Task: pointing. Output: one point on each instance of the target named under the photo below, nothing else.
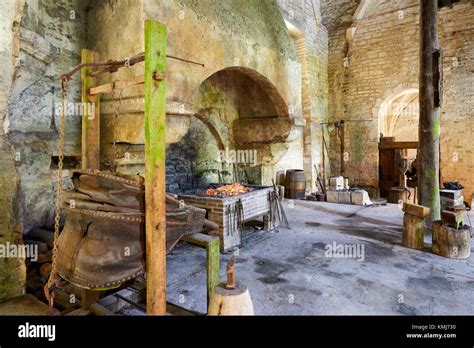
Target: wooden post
(413, 231)
(212, 245)
(89, 297)
(429, 124)
(213, 275)
(91, 116)
(414, 225)
(155, 195)
(90, 146)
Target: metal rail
(113, 65)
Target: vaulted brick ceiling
(335, 13)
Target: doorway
(398, 129)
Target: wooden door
(386, 171)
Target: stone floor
(288, 272)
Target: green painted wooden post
(90, 148)
(213, 271)
(212, 245)
(155, 194)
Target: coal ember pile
(233, 189)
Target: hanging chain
(52, 281)
(114, 129)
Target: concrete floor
(288, 273)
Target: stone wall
(46, 37)
(382, 60)
(311, 40)
(51, 37)
(12, 270)
(457, 112)
(250, 37)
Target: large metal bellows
(102, 243)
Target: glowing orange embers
(234, 189)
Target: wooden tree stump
(230, 298)
(230, 301)
(450, 242)
(414, 225)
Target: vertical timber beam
(155, 195)
(212, 257)
(429, 125)
(90, 150)
(90, 146)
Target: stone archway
(397, 106)
(264, 84)
(398, 117)
(245, 112)
(398, 114)
(236, 109)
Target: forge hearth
(222, 191)
(230, 212)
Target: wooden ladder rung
(110, 87)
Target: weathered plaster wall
(221, 34)
(51, 36)
(122, 111)
(12, 270)
(40, 40)
(383, 60)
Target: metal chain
(57, 218)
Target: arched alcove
(239, 110)
(252, 90)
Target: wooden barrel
(295, 184)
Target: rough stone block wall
(312, 48)
(12, 270)
(383, 54)
(41, 39)
(456, 30)
(51, 37)
(383, 60)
